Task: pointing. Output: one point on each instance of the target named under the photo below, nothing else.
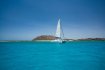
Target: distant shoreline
(49, 38)
(45, 40)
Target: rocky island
(44, 38)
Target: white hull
(58, 40)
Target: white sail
(58, 31)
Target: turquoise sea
(77, 55)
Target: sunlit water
(52, 56)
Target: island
(44, 38)
(50, 37)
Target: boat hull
(59, 41)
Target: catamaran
(59, 33)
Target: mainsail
(59, 32)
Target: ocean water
(80, 55)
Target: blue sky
(26, 19)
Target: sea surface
(77, 55)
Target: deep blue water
(52, 56)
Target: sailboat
(59, 33)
